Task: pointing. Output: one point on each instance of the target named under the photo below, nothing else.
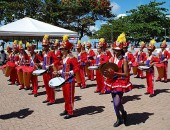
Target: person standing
(70, 68)
(48, 59)
(140, 57)
(101, 58)
(34, 60)
(91, 59)
(163, 56)
(151, 60)
(119, 84)
(82, 60)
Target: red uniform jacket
(140, 56)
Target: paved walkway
(20, 111)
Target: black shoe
(30, 94)
(124, 117)
(118, 122)
(27, 88)
(96, 91)
(158, 80)
(63, 113)
(68, 116)
(146, 93)
(137, 76)
(45, 101)
(35, 95)
(21, 88)
(165, 81)
(50, 103)
(151, 95)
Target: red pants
(150, 81)
(100, 81)
(34, 81)
(91, 75)
(140, 73)
(68, 94)
(13, 76)
(82, 76)
(165, 72)
(49, 91)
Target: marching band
(111, 68)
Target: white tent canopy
(28, 27)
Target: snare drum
(27, 73)
(93, 67)
(3, 68)
(135, 67)
(20, 74)
(160, 68)
(143, 68)
(39, 72)
(78, 78)
(56, 82)
(9, 67)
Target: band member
(34, 60)
(48, 60)
(9, 52)
(101, 58)
(82, 60)
(91, 59)
(23, 59)
(163, 56)
(14, 57)
(140, 59)
(120, 82)
(151, 60)
(128, 55)
(70, 68)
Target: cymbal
(110, 67)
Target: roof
(33, 28)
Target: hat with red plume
(66, 44)
(45, 41)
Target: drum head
(93, 67)
(143, 67)
(39, 72)
(56, 82)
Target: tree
(79, 15)
(11, 10)
(144, 23)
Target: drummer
(151, 60)
(34, 60)
(14, 57)
(128, 55)
(101, 58)
(91, 59)
(140, 57)
(23, 60)
(47, 64)
(163, 56)
(119, 84)
(82, 59)
(70, 68)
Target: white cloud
(115, 7)
(121, 15)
